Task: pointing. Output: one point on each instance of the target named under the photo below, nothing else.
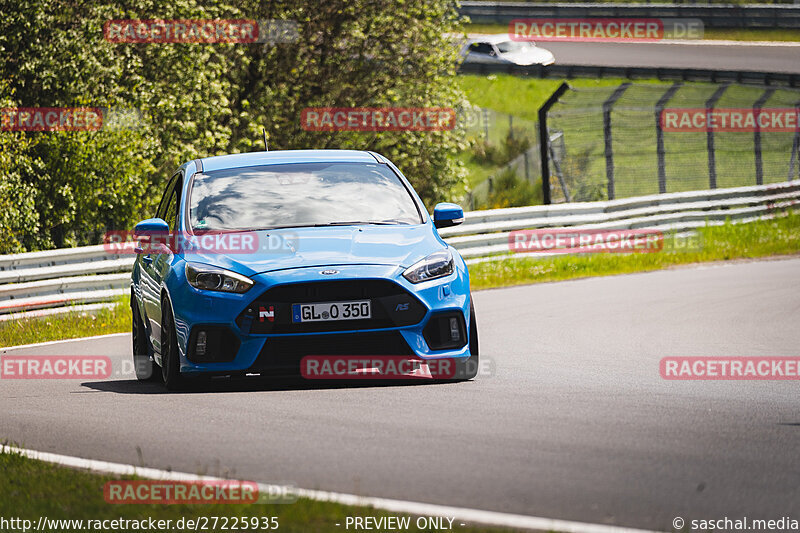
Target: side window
(171, 216)
(481, 48)
(174, 202)
(162, 206)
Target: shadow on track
(250, 384)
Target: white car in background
(500, 49)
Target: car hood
(533, 56)
(395, 245)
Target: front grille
(392, 306)
(283, 354)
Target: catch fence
(640, 139)
(500, 142)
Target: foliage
(18, 219)
(199, 100)
(516, 141)
(508, 190)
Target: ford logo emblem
(328, 272)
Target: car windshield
(509, 47)
(481, 48)
(300, 194)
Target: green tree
(357, 53)
(206, 99)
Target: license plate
(327, 311)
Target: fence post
(662, 170)
(712, 161)
(527, 170)
(544, 139)
(757, 134)
(795, 146)
(485, 113)
(607, 105)
(559, 174)
(510, 126)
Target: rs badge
(269, 314)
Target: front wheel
(468, 368)
(170, 360)
(143, 365)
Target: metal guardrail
(486, 233)
(54, 280)
(713, 16)
(557, 71)
(58, 279)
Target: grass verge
(34, 489)
(711, 34)
(780, 236)
(66, 326)
(522, 97)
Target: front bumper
(249, 342)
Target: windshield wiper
(285, 226)
(364, 223)
(337, 223)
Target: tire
(143, 364)
(170, 360)
(466, 370)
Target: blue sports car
(276, 256)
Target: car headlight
(210, 278)
(436, 265)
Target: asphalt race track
(576, 422)
(783, 57)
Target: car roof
(277, 157)
(493, 38)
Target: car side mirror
(144, 232)
(446, 215)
